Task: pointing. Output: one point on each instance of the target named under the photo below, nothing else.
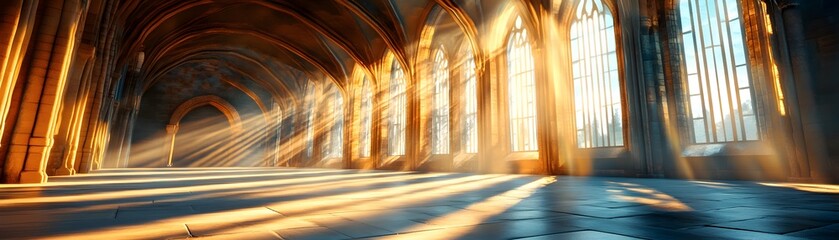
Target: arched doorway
(203, 132)
(204, 136)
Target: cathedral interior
(419, 119)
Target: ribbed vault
(282, 44)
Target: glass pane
(699, 131)
(733, 10)
(685, 16)
(743, 77)
(737, 43)
(696, 111)
(751, 128)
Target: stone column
(801, 60)
(78, 115)
(169, 143)
(32, 140)
(17, 19)
(125, 152)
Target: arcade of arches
(684, 89)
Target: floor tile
(775, 225)
(581, 235)
(273, 203)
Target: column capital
(171, 128)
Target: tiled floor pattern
(281, 203)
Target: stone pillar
(50, 65)
(649, 92)
(169, 143)
(17, 19)
(79, 108)
(801, 55)
(129, 131)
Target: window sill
(726, 149)
(603, 153)
(332, 162)
(518, 156)
(388, 160)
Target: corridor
(291, 203)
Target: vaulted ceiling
(281, 43)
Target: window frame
(333, 115)
(311, 110)
(505, 91)
(438, 114)
(392, 110)
(759, 71)
(712, 134)
(603, 151)
(462, 90)
(366, 97)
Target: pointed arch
(222, 105)
(363, 112)
(469, 101)
(397, 110)
(309, 111)
(440, 127)
(598, 92)
(521, 86)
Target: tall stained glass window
(597, 91)
(366, 110)
(470, 105)
(720, 93)
(440, 113)
(522, 90)
(396, 108)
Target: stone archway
(174, 121)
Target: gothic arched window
(719, 86)
(522, 90)
(470, 105)
(333, 144)
(397, 117)
(597, 91)
(440, 112)
(310, 118)
(366, 110)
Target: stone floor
(275, 203)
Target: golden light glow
(816, 188)
(637, 193)
(775, 74)
(287, 198)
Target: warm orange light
(637, 193)
(816, 188)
